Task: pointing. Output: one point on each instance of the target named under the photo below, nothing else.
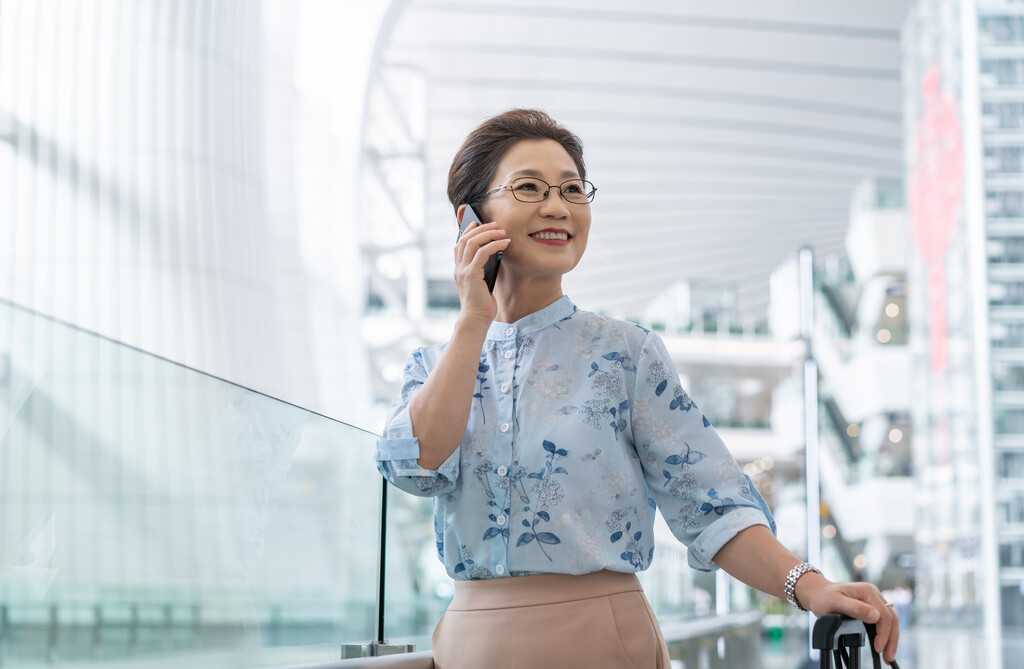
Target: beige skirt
(595, 621)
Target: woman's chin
(534, 274)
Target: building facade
(964, 111)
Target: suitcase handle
(839, 636)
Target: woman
(547, 435)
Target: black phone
(469, 217)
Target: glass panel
(151, 511)
(418, 589)
(676, 591)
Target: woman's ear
(461, 212)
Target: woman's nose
(554, 204)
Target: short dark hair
(477, 159)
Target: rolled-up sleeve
(398, 449)
(700, 490)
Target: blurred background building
(223, 227)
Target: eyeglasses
(531, 189)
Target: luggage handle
(843, 637)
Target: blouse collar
(559, 310)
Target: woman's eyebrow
(539, 174)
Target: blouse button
(508, 332)
(508, 354)
(502, 519)
(499, 570)
(504, 427)
(504, 387)
(502, 470)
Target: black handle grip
(842, 637)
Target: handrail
(685, 630)
(847, 319)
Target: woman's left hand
(862, 601)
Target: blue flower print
(632, 551)
(685, 483)
(473, 570)
(618, 422)
(414, 375)
(506, 484)
(594, 412)
(688, 457)
(497, 530)
(482, 473)
(657, 377)
(439, 537)
(717, 505)
(482, 369)
(549, 493)
(607, 386)
(427, 484)
(622, 360)
(680, 400)
(574, 310)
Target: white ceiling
(722, 136)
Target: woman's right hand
(472, 250)
(439, 410)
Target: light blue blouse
(579, 428)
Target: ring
(890, 604)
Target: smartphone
(469, 217)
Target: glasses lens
(528, 189)
(577, 190)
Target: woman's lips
(552, 237)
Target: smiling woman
(548, 436)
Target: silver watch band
(794, 575)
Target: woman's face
(548, 237)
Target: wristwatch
(794, 575)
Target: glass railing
(149, 511)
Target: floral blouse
(579, 428)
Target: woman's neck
(522, 298)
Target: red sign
(934, 193)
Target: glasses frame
(590, 196)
